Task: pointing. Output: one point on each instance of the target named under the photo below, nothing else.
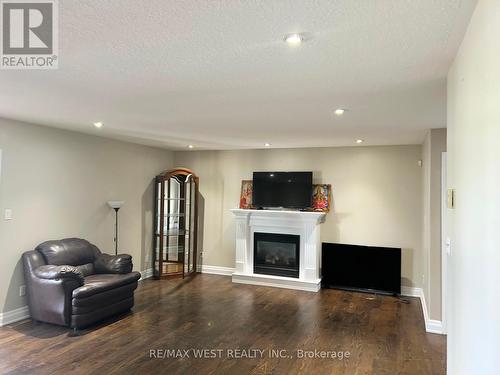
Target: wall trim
(434, 326)
(409, 291)
(431, 326)
(13, 316)
(146, 274)
(216, 270)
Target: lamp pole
(115, 205)
(116, 229)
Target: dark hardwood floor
(209, 312)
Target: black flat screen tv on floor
(361, 268)
(282, 189)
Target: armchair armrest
(121, 263)
(50, 272)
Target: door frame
(444, 236)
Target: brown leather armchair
(71, 283)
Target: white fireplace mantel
(304, 224)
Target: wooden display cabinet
(176, 224)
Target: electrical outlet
(22, 290)
(7, 214)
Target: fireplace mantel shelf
(306, 224)
(280, 213)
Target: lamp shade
(115, 204)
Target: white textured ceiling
(218, 75)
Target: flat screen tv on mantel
(282, 189)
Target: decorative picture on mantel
(322, 197)
(246, 194)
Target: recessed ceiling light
(340, 111)
(294, 39)
(359, 140)
(98, 124)
(267, 144)
(190, 146)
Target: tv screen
(282, 189)
(365, 268)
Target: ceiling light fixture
(98, 124)
(190, 146)
(359, 140)
(267, 145)
(294, 39)
(340, 111)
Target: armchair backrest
(68, 251)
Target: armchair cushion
(118, 264)
(95, 284)
(50, 272)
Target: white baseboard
(146, 274)
(431, 326)
(411, 292)
(434, 326)
(216, 270)
(13, 316)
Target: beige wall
(433, 147)
(474, 171)
(377, 194)
(57, 184)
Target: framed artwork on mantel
(321, 196)
(246, 194)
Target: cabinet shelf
(178, 248)
(176, 232)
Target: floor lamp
(115, 205)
